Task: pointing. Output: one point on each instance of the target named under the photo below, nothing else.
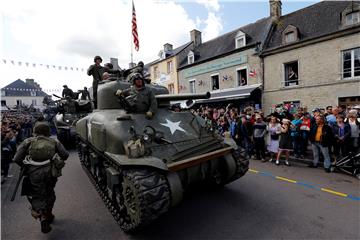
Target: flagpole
(131, 35)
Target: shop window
(242, 77)
(192, 86)
(3, 103)
(351, 63)
(291, 74)
(215, 82)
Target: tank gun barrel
(185, 96)
(56, 95)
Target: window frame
(211, 79)
(352, 52)
(352, 22)
(171, 86)
(194, 82)
(32, 93)
(169, 69)
(156, 72)
(284, 74)
(237, 83)
(191, 55)
(240, 35)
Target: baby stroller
(349, 164)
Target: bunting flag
(134, 28)
(27, 64)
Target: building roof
(173, 53)
(20, 88)
(317, 20)
(255, 33)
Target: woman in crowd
(295, 134)
(355, 130)
(341, 132)
(274, 130)
(304, 133)
(285, 144)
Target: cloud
(211, 5)
(213, 26)
(213, 22)
(72, 32)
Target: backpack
(42, 148)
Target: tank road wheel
(143, 197)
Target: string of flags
(32, 89)
(48, 66)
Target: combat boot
(49, 216)
(45, 226)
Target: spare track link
(153, 193)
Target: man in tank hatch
(140, 98)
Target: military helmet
(42, 128)
(136, 76)
(97, 57)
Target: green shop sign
(215, 65)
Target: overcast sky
(69, 33)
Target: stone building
(229, 66)
(164, 70)
(22, 93)
(312, 56)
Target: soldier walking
(41, 158)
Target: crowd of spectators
(332, 131)
(15, 127)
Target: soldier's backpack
(42, 148)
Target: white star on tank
(173, 126)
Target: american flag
(134, 28)
(252, 73)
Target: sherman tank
(69, 111)
(142, 167)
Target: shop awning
(230, 94)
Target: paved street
(270, 202)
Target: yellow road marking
(334, 192)
(254, 171)
(285, 179)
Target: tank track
(146, 191)
(242, 164)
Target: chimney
(115, 63)
(30, 81)
(195, 36)
(168, 47)
(275, 9)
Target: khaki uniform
(39, 182)
(142, 100)
(97, 73)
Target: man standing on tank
(140, 98)
(96, 70)
(38, 156)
